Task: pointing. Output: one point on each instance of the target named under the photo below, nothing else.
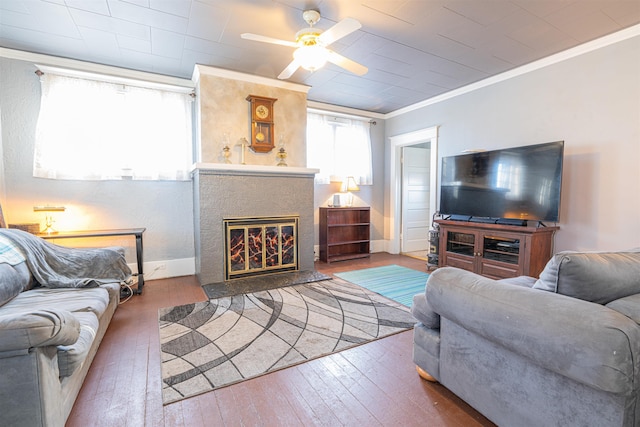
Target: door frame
(395, 178)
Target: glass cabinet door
(501, 249)
(461, 243)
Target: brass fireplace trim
(246, 223)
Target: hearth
(255, 246)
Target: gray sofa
(563, 350)
(55, 306)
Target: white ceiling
(414, 49)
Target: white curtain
(339, 148)
(97, 130)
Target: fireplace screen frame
(239, 231)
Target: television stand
(497, 251)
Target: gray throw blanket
(55, 266)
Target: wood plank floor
(374, 384)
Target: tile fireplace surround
(223, 191)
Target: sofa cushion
(14, 274)
(37, 328)
(13, 280)
(71, 357)
(629, 306)
(94, 300)
(523, 281)
(599, 277)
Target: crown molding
(207, 70)
(91, 68)
(616, 37)
(346, 111)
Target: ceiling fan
(311, 43)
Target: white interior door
(416, 217)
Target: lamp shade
(350, 185)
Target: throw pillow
(599, 277)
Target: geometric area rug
(211, 344)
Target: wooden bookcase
(344, 233)
(494, 250)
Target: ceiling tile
(542, 8)
(174, 7)
(106, 23)
(95, 6)
(539, 34)
(133, 43)
(624, 13)
(43, 17)
(141, 3)
(143, 15)
(14, 6)
(511, 51)
(207, 22)
(482, 12)
(102, 43)
(166, 43)
(582, 24)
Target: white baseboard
(167, 268)
(378, 246)
(388, 247)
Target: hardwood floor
(374, 384)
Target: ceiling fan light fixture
(312, 57)
(311, 46)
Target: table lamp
(49, 217)
(350, 186)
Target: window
(90, 129)
(339, 147)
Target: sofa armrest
(38, 328)
(424, 313)
(584, 341)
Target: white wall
(163, 207)
(592, 102)
(369, 195)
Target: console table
(137, 232)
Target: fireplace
(260, 245)
(264, 196)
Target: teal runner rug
(392, 281)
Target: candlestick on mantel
(243, 144)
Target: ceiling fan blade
(347, 63)
(265, 39)
(338, 31)
(288, 72)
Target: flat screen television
(519, 184)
